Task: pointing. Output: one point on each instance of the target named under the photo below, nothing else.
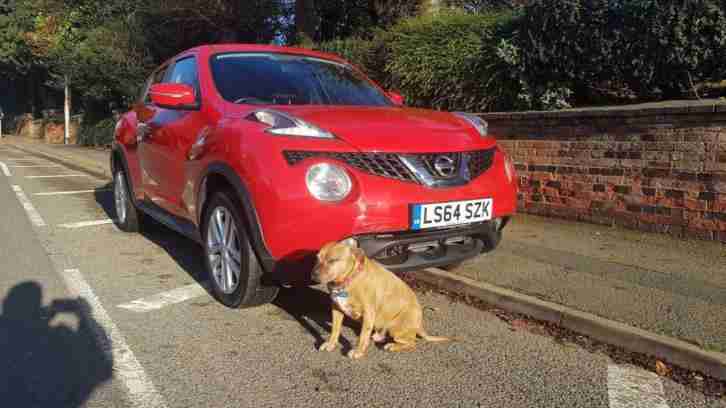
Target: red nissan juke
(263, 154)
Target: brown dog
(363, 289)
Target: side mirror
(396, 98)
(173, 96)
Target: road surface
(92, 316)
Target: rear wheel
(127, 216)
(235, 273)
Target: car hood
(392, 129)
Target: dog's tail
(436, 339)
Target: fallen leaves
(662, 368)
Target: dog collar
(338, 293)
(339, 287)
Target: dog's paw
(327, 346)
(355, 354)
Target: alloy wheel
(223, 250)
(120, 197)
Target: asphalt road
(74, 333)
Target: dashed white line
(5, 169)
(34, 166)
(164, 299)
(84, 224)
(141, 391)
(56, 176)
(33, 214)
(630, 386)
(55, 193)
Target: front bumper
(408, 251)
(378, 211)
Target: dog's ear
(359, 254)
(351, 242)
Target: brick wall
(655, 167)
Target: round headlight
(328, 182)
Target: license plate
(452, 213)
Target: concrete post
(67, 111)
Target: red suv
(262, 154)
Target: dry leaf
(519, 324)
(661, 368)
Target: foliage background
(476, 55)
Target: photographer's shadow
(45, 363)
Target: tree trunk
(305, 20)
(431, 6)
(67, 111)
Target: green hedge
(367, 55)
(451, 61)
(97, 134)
(548, 54)
(648, 49)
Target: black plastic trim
(254, 230)
(485, 235)
(117, 150)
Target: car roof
(211, 49)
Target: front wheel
(127, 216)
(234, 271)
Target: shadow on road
(44, 363)
(308, 305)
(185, 252)
(311, 308)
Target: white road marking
(84, 224)
(164, 299)
(24, 160)
(630, 387)
(126, 367)
(57, 176)
(55, 193)
(5, 169)
(33, 214)
(34, 166)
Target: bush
(450, 61)
(368, 55)
(97, 134)
(604, 48)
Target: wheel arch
(117, 159)
(219, 176)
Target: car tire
(128, 217)
(234, 272)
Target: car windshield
(279, 79)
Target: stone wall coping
(676, 107)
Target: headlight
(283, 124)
(328, 182)
(479, 124)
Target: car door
(170, 134)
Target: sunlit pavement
(57, 242)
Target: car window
(279, 79)
(155, 78)
(185, 72)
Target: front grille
(428, 161)
(480, 161)
(379, 164)
(389, 165)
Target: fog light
(328, 182)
